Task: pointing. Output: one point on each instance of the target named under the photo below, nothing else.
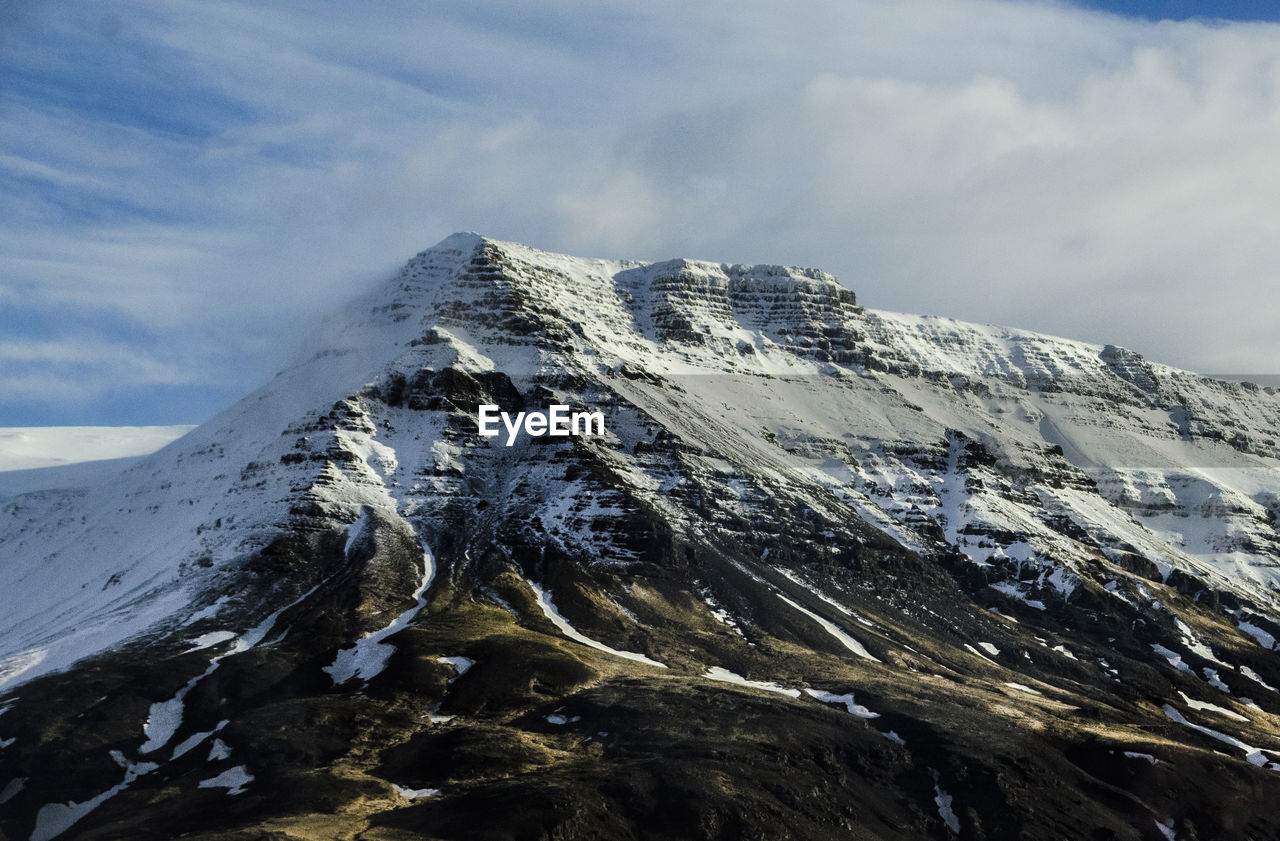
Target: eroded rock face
(831, 573)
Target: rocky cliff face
(830, 573)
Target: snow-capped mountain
(826, 573)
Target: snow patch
(209, 640)
(969, 648)
(1194, 643)
(53, 819)
(233, 779)
(219, 751)
(1263, 638)
(1253, 756)
(165, 717)
(460, 666)
(1021, 687)
(1257, 678)
(11, 790)
(370, 655)
(1204, 705)
(192, 741)
(550, 611)
(846, 699)
(1174, 658)
(415, 793)
(164, 720)
(1216, 682)
(852, 614)
(834, 630)
(560, 720)
(721, 614)
(943, 801)
(355, 531)
(1013, 591)
(722, 674)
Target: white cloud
(77, 370)
(1024, 163)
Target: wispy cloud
(75, 369)
(207, 176)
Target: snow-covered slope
(793, 492)
(65, 457)
(28, 447)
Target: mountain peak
(460, 241)
(480, 291)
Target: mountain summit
(822, 572)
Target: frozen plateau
(830, 573)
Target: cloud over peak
(193, 174)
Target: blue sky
(1233, 10)
(186, 186)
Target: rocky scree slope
(830, 573)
